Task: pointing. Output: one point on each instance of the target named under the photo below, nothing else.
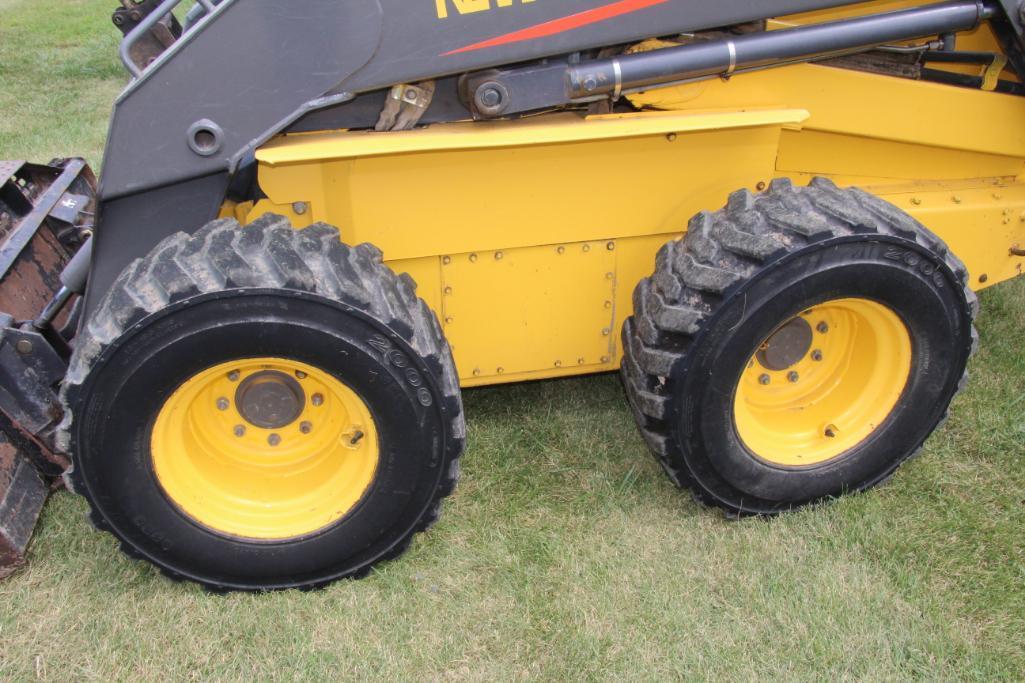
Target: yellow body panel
(430, 198)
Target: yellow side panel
(444, 198)
(517, 311)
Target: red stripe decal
(574, 21)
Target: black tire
(737, 275)
(227, 293)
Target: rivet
(274, 439)
(233, 375)
(501, 370)
(608, 304)
(24, 346)
(317, 399)
(956, 199)
(448, 290)
(609, 276)
(299, 374)
(587, 248)
(299, 207)
(671, 137)
(306, 427)
(816, 355)
(498, 255)
(606, 332)
(558, 363)
(446, 260)
(764, 379)
(449, 320)
(476, 372)
(822, 328)
(240, 430)
(560, 250)
(984, 278)
(793, 376)
(222, 403)
(760, 186)
(611, 246)
(473, 258)
(580, 361)
(916, 201)
(605, 359)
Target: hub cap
(823, 382)
(264, 448)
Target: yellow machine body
(527, 237)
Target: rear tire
(200, 479)
(724, 364)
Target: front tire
(262, 408)
(796, 345)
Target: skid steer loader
(318, 220)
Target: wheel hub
(270, 399)
(787, 345)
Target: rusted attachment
(46, 216)
(22, 494)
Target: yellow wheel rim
(834, 375)
(264, 448)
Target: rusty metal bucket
(46, 216)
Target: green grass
(564, 553)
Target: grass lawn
(565, 553)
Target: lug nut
(273, 439)
(222, 403)
(317, 399)
(305, 427)
(822, 328)
(233, 375)
(816, 355)
(240, 430)
(299, 374)
(793, 376)
(764, 379)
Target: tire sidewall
(133, 377)
(907, 278)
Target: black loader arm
(249, 69)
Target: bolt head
(274, 440)
(23, 346)
(317, 399)
(222, 403)
(764, 379)
(490, 97)
(306, 427)
(792, 376)
(233, 375)
(299, 208)
(299, 374)
(240, 430)
(816, 355)
(822, 328)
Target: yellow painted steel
(834, 397)
(953, 157)
(270, 484)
